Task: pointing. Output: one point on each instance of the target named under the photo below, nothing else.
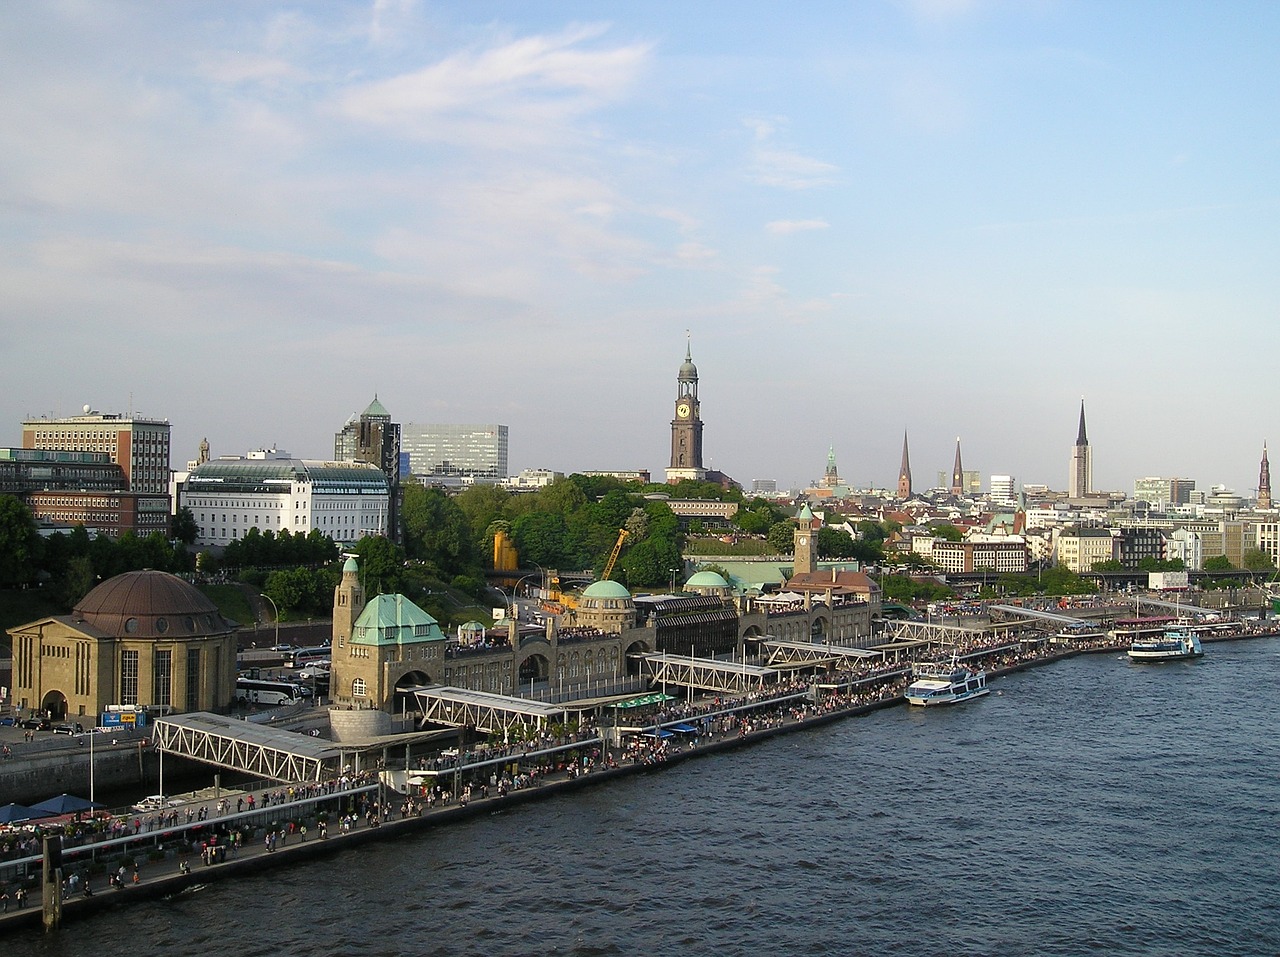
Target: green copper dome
(706, 579)
(606, 589)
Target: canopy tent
(64, 804)
(17, 813)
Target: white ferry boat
(1171, 646)
(940, 682)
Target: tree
(1110, 565)
(1256, 560)
(436, 530)
(947, 532)
(781, 537)
(19, 542)
(184, 527)
(381, 562)
(1218, 563)
(834, 543)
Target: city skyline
(944, 217)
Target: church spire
(957, 473)
(1264, 480)
(1081, 437)
(832, 476)
(904, 473)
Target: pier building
(145, 638)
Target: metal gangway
(1016, 611)
(487, 712)
(800, 654)
(253, 748)
(706, 674)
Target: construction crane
(613, 555)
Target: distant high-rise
(1264, 481)
(372, 437)
(1004, 488)
(1080, 481)
(456, 454)
(904, 472)
(957, 473)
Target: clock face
(683, 410)
(803, 540)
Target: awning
(656, 734)
(640, 702)
(684, 728)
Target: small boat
(1173, 645)
(940, 682)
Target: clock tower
(686, 427)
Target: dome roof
(150, 604)
(606, 589)
(688, 370)
(350, 565)
(707, 579)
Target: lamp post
(276, 611)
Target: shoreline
(164, 879)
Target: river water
(1092, 806)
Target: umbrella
(15, 813)
(64, 804)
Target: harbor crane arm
(613, 555)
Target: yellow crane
(613, 555)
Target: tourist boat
(1171, 646)
(941, 682)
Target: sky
(943, 218)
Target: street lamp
(277, 614)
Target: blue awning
(661, 733)
(684, 728)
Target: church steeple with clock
(686, 427)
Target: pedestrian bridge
(252, 748)
(487, 712)
(705, 674)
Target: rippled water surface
(1089, 807)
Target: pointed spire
(904, 473)
(957, 473)
(1081, 437)
(1264, 480)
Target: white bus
(301, 657)
(261, 691)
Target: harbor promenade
(172, 859)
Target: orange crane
(613, 555)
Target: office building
(270, 491)
(455, 454)
(139, 446)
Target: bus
(301, 657)
(262, 691)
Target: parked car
(68, 728)
(35, 724)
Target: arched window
(357, 688)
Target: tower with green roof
(372, 437)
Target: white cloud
(503, 97)
(784, 227)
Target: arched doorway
(634, 667)
(819, 630)
(54, 704)
(533, 673)
(403, 700)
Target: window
(128, 677)
(357, 688)
(162, 678)
(193, 679)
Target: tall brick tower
(957, 473)
(1080, 481)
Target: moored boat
(1173, 645)
(939, 682)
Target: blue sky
(950, 217)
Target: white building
(1004, 488)
(270, 491)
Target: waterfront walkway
(173, 857)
